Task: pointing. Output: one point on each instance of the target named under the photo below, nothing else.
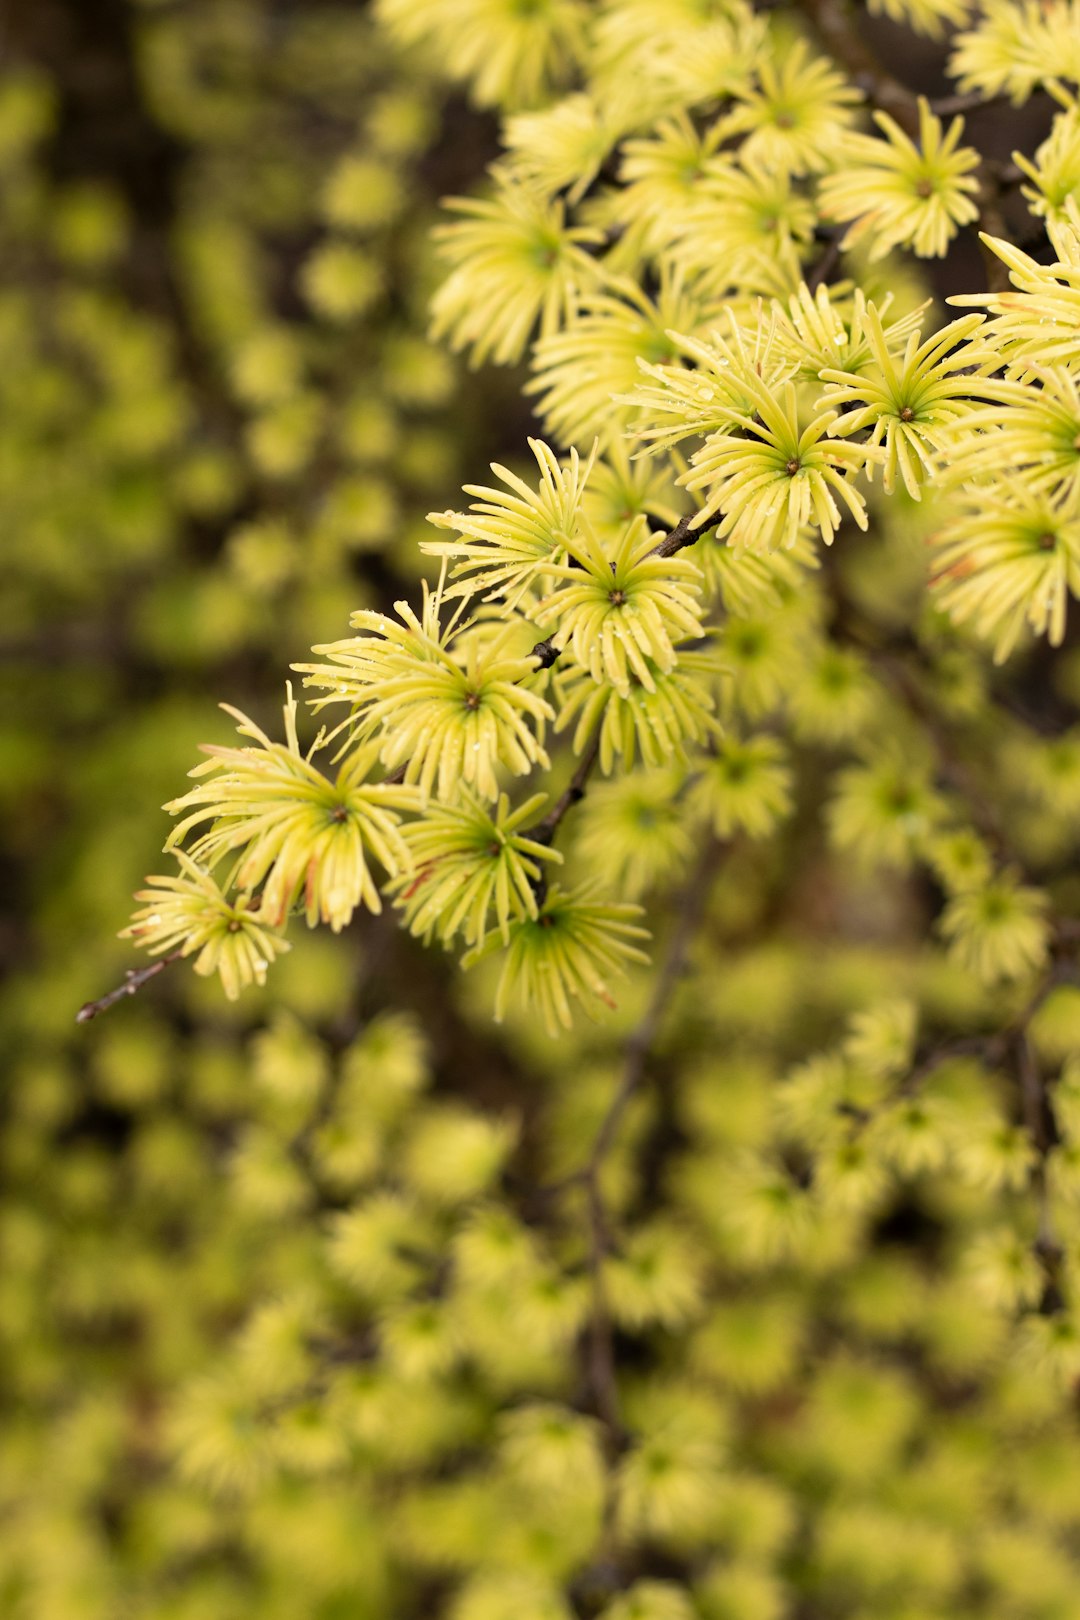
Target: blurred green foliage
(299, 1295)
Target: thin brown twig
(992, 223)
(826, 263)
(836, 24)
(989, 1048)
(601, 1352)
(993, 1047)
(134, 979)
(691, 906)
(690, 909)
(969, 101)
(600, 1364)
(1039, 1124)
(681, 536)
(572, 794)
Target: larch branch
(134, 979)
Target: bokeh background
(221, 424)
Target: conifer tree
(728, 745)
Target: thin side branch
(600, 1359)
(970, 101)
(827, 262)
(601, 1353)
(690, 909)
(836, 24)
(545, 830)
(134, 979)
(1040, 1127)
(681, 536)
(991, 222)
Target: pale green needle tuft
(930, 17)
(751, 581)
(657, 722)
(659, 178)
(1039, 323)
(901, 195)
(906, 402)
(514, 264)
(580, 371)
(1055, 170)
(620, 610)
(998, 931)
(885, 809)
(743, 786)
(563, 146)
(767, 473)
(713, 57)
(510, 54)
(190, 913)
(714, 393)
(1034, 432)
(1010, 558)
(814, 333)
(447, 706)
(634, 831)
(509, 536)
(775, 473)
(1017, 45)
(473, 868)
(623, 486)
(795, 114)
(746, 214)
(564, 956)
(297, 836)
